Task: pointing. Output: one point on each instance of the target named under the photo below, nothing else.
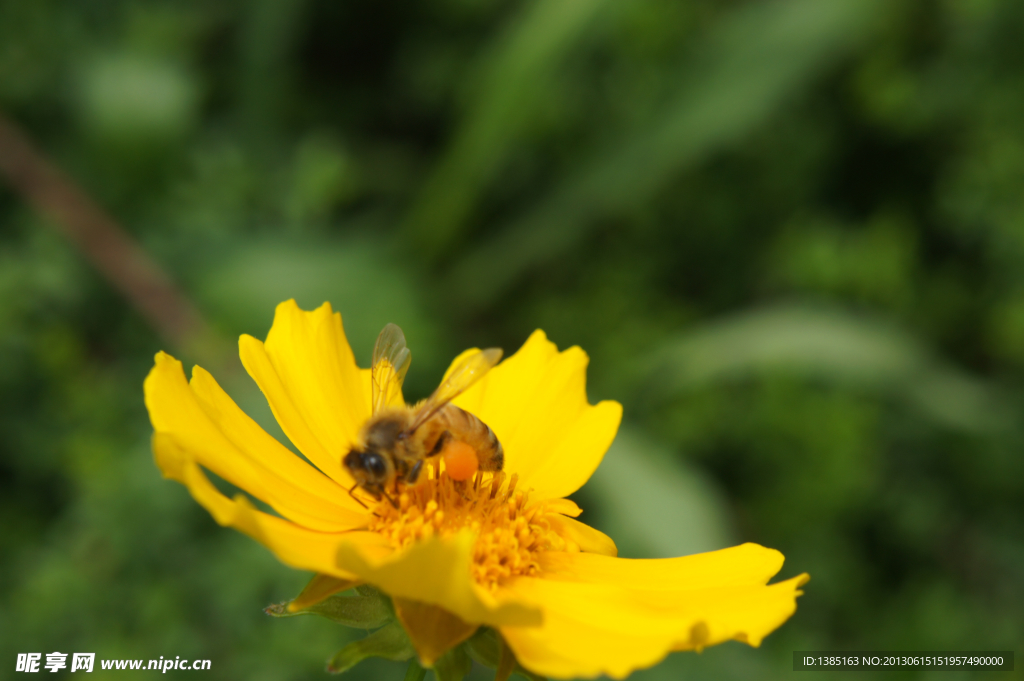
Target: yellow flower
(502, 551)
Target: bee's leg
(462, 487)
(386, 496)
(442, 440)
(414, 473)
(352, 494)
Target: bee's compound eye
(374, 463)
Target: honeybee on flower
(498, 568)
(397, 441)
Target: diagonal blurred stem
(111, 250)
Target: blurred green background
(789, 233)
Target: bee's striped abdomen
(497, 459)
(465, 427)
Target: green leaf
(484, 647)
(358, 277)
(414, 672)
(487, 648)
(131, 99)
(453, 665)
(747, 68)
(390, 643)
(515, 77)
(831, 345)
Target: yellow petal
(592, 629)
(296, 546)
(536, 403)
(738, 565)
(612, 616)
(564, 507)
(436, 571)
(584, 536)
(206, 423)
(433, 630)
(309, 376)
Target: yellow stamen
(511, 530)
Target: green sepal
(391, 643)
(486, 647)
(367, 610)
(453, 665)
(319, 587)
(415, 672)
(369, 590)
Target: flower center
(511, 530)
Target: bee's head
(368, 467)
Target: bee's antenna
(351, 493)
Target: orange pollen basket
(510, 530)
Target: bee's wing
(468, 371)
(391, 360)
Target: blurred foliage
(790, 233)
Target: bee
(396, 441)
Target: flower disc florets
(511, 530)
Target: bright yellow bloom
(505, 552)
